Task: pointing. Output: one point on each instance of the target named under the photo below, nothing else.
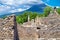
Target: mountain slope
(37, 8)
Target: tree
(47, 10)
(24, 17)
(58, 10)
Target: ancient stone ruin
(7, 28)
(39, 29)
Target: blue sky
(52, 3)
(11, 6)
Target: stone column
(28, 18)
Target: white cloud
(18, 10)
(16, 5)
(4, 8)
(19, 2)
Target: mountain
(35, 8)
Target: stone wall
(10, 30)
(7, 28)
(27, 33)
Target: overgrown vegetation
(24, 17)
(58, 10)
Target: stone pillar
(37, 20)
(28, 18)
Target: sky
(11, 6)
(52, 3)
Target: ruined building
(46, 27)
